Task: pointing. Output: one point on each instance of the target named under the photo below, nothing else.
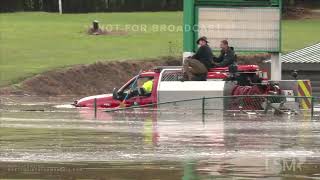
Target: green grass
(35, 42)
(297, 34)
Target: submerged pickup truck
(167, 86)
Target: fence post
(203, 105)
(60, 6)
(203, 109)
(95, 108)
(267, 105)
(312, 106)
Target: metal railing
(260, 104)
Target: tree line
(307, 3)
(83, 6)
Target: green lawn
(35, 42)
(297, 34)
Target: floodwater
(44, 139)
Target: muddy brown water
(40, 138)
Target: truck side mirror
(115, 94)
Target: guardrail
(257, 103)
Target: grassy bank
(297, 34)
(35, 42)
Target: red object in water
(107, 100)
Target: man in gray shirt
(227, 56)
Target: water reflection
(63, 143)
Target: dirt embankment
(300, 12)
(97, 78)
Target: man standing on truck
(227, 56)
(196, 67)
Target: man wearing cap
(227, 55)
(196, 67)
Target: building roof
(309, 54)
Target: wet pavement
(40, 138)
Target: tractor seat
(241, 68)
(218, 69)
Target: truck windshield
(141, 83)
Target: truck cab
(118, 95)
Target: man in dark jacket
(196, 67)
(227, 56)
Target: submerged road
(42, 139)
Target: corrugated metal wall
(247, 29)
(314, 76)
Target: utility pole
(60, 6)
(276, 66)
(188, 33)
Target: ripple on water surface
(59, 142)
